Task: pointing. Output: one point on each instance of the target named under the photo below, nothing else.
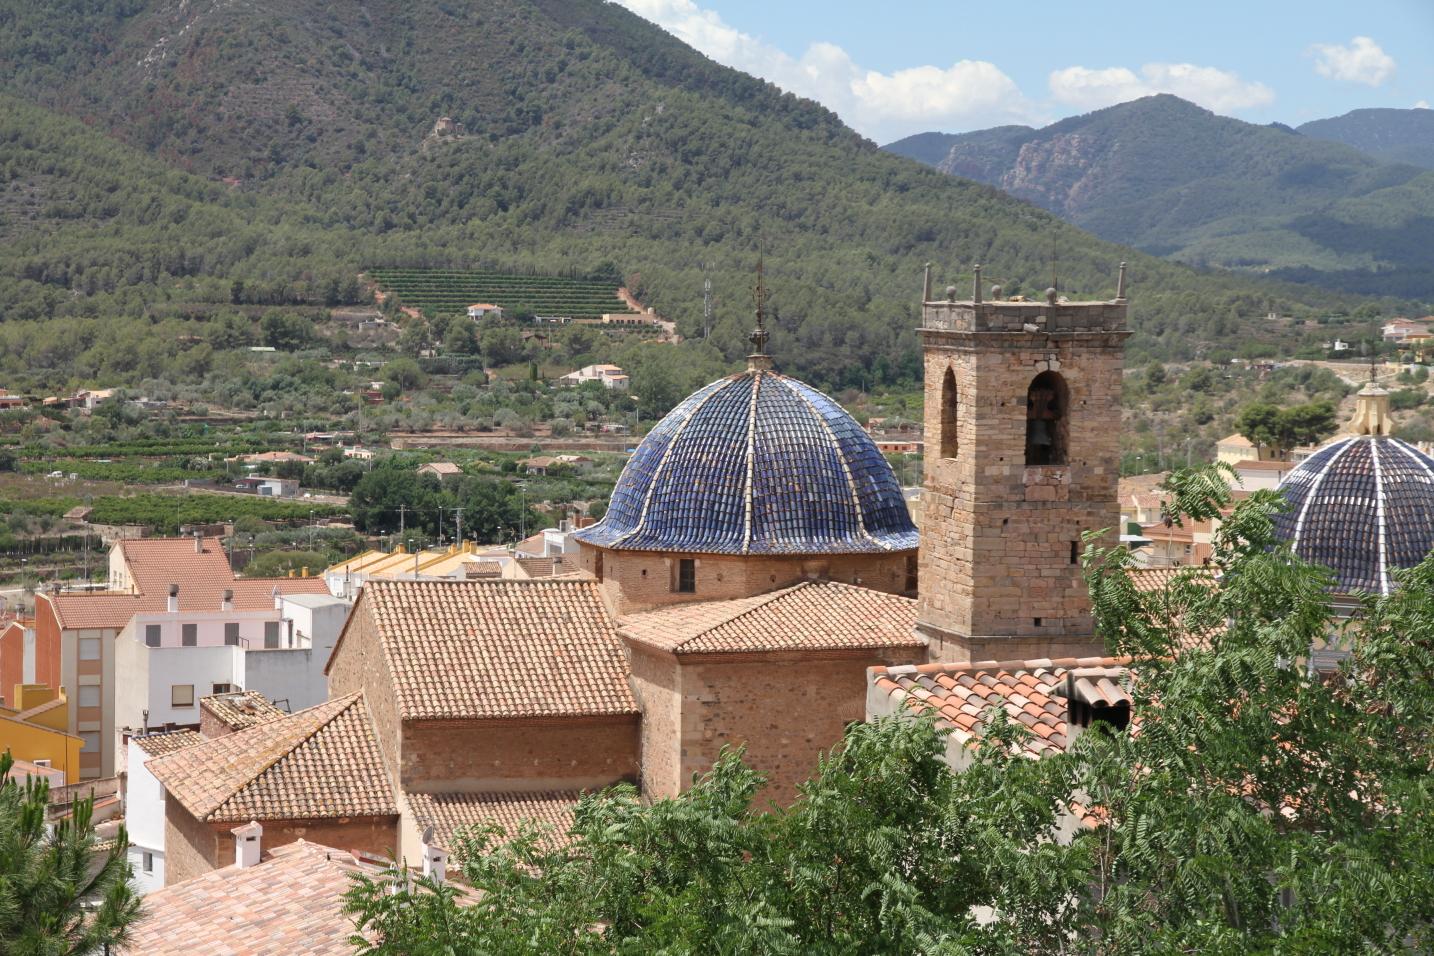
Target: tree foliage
(60, 893)
(1284, 428)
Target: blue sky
(895, 67)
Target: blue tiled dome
(756, 463)
(1362, 506)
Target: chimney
(304, 572)
(198, 543)
(278, 598)
(1094, 694)
(435, 858)
(247, 844)
(174, 599)
(226, 603)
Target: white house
(144, 806)
(269, 486)
(611, 376)
(166, 660)
(484, 310)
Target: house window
(189, 634)
(89, 695)
(948, 415)
(89, 648)
(231, 633)
(271, 634)
(224, 688)
(597, 564)
(1046, 403)
(1075, 552)
(151, 635)
(148, 862)
(912, 570)
(686, 576)
(181, 695)
(90, 739)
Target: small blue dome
(1362, 506)
(756, 463)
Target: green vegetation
(450, 293)
(1260, 808)
(1168, 177)
(165, 513)
(1284, 428)
(60, 891)
(591, 137)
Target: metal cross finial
(758, 337)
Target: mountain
(1396, 136)
(1175, 180)
(166, 163)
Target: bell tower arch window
(948, 414)
(1047, 426)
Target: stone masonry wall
(656, 683)
(641, 580)
(997, 575)
(512, 755)
(358, 664)
(787, 709)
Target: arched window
(1047, 405)
(948, 415)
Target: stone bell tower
(1022, 456)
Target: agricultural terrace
(450, 293)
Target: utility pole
(458, 520)
(402, 511)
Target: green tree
(1281, 429)
(285, 331)
(60, 893)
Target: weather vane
(758, 337)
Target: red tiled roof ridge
(234, 738)
(25, 715)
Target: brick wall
(996, 571)
(786, 708)
(508, 755)
(641, 580)
(358, 664)
(190, 847)
(656, 683)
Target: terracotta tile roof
(319, 763)
(157, 745)
(484, 649)
(20, 770)
(290, 904)
(812, 615)
(155, 564)
(240, 709)
(448, 813)
(961, 694)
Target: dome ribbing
(1362, 506)
(756, 463)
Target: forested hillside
(223, 158)
(1397, 136)
(1179, 181)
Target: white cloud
(1211, 88)
(1422, 105)
(1361, 62)
(968, 94)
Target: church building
(757, 563)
